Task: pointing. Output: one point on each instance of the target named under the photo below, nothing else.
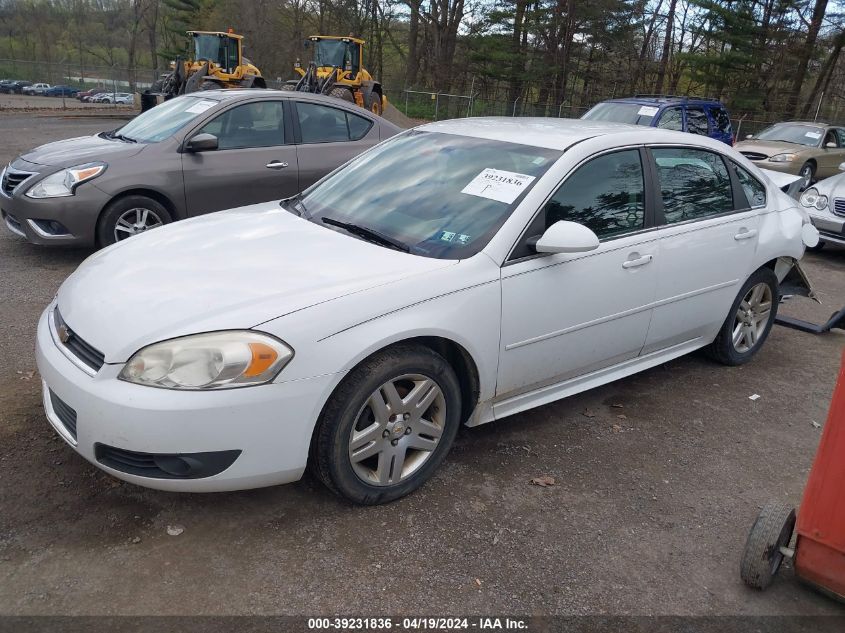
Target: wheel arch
(461, 361)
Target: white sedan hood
(229, 270)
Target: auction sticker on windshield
(647, 111)
(497, 184)
(201, 106)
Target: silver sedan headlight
(218, 360)
(64, 183)
(811, 198)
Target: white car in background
(114, 97)
(35, 89)
(825, 203)
(458, 273)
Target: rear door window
(694, 184)
(324, 124)
(697, 122)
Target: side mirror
(841, 166)
(748, 137)
(202, 143)
(567, 237)
(830, 145)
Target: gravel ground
(651, 508)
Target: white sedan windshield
(440, 195)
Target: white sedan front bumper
(129, 430)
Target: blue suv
(708, 117)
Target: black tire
(372, 101)
(342, 93)
(722, 349)
(808, 171)
(762, 557)
(329, 459)
(107, 222)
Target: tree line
(767, 58)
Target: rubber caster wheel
(763, 557)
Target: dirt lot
(648, 516)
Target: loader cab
(337, 52)
(222, 49)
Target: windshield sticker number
(813, 135)
(499, 185)
(447, 236)
(201, 106)
(647, 111)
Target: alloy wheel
(397, 429)
(135, 221)
(752, 317)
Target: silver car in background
(825, 204)
(191, 155)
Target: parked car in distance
(811, 150)
(35, 89)
(86, 95)
(191, 155)
(119, 97)
(4, 83)
(113, 97)
(706, 117)
(61, 91)
(458, 273)
(15, 87)
(825, 203)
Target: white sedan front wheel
(388, 425)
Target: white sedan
(458, 273)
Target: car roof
(664, 100)
(558, 134)
(222, 95)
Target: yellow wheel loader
(336, 69)
(216, 61)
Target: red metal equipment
(819, 552)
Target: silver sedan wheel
(135, 221)
(397, 429)
(752, 317)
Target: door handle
(745, 235)
(638, 261)
(276, 164)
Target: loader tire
(342, 93)
(372, 101)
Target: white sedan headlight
(812, 198)
(782, 158)
(63, 183)
(218, 360)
